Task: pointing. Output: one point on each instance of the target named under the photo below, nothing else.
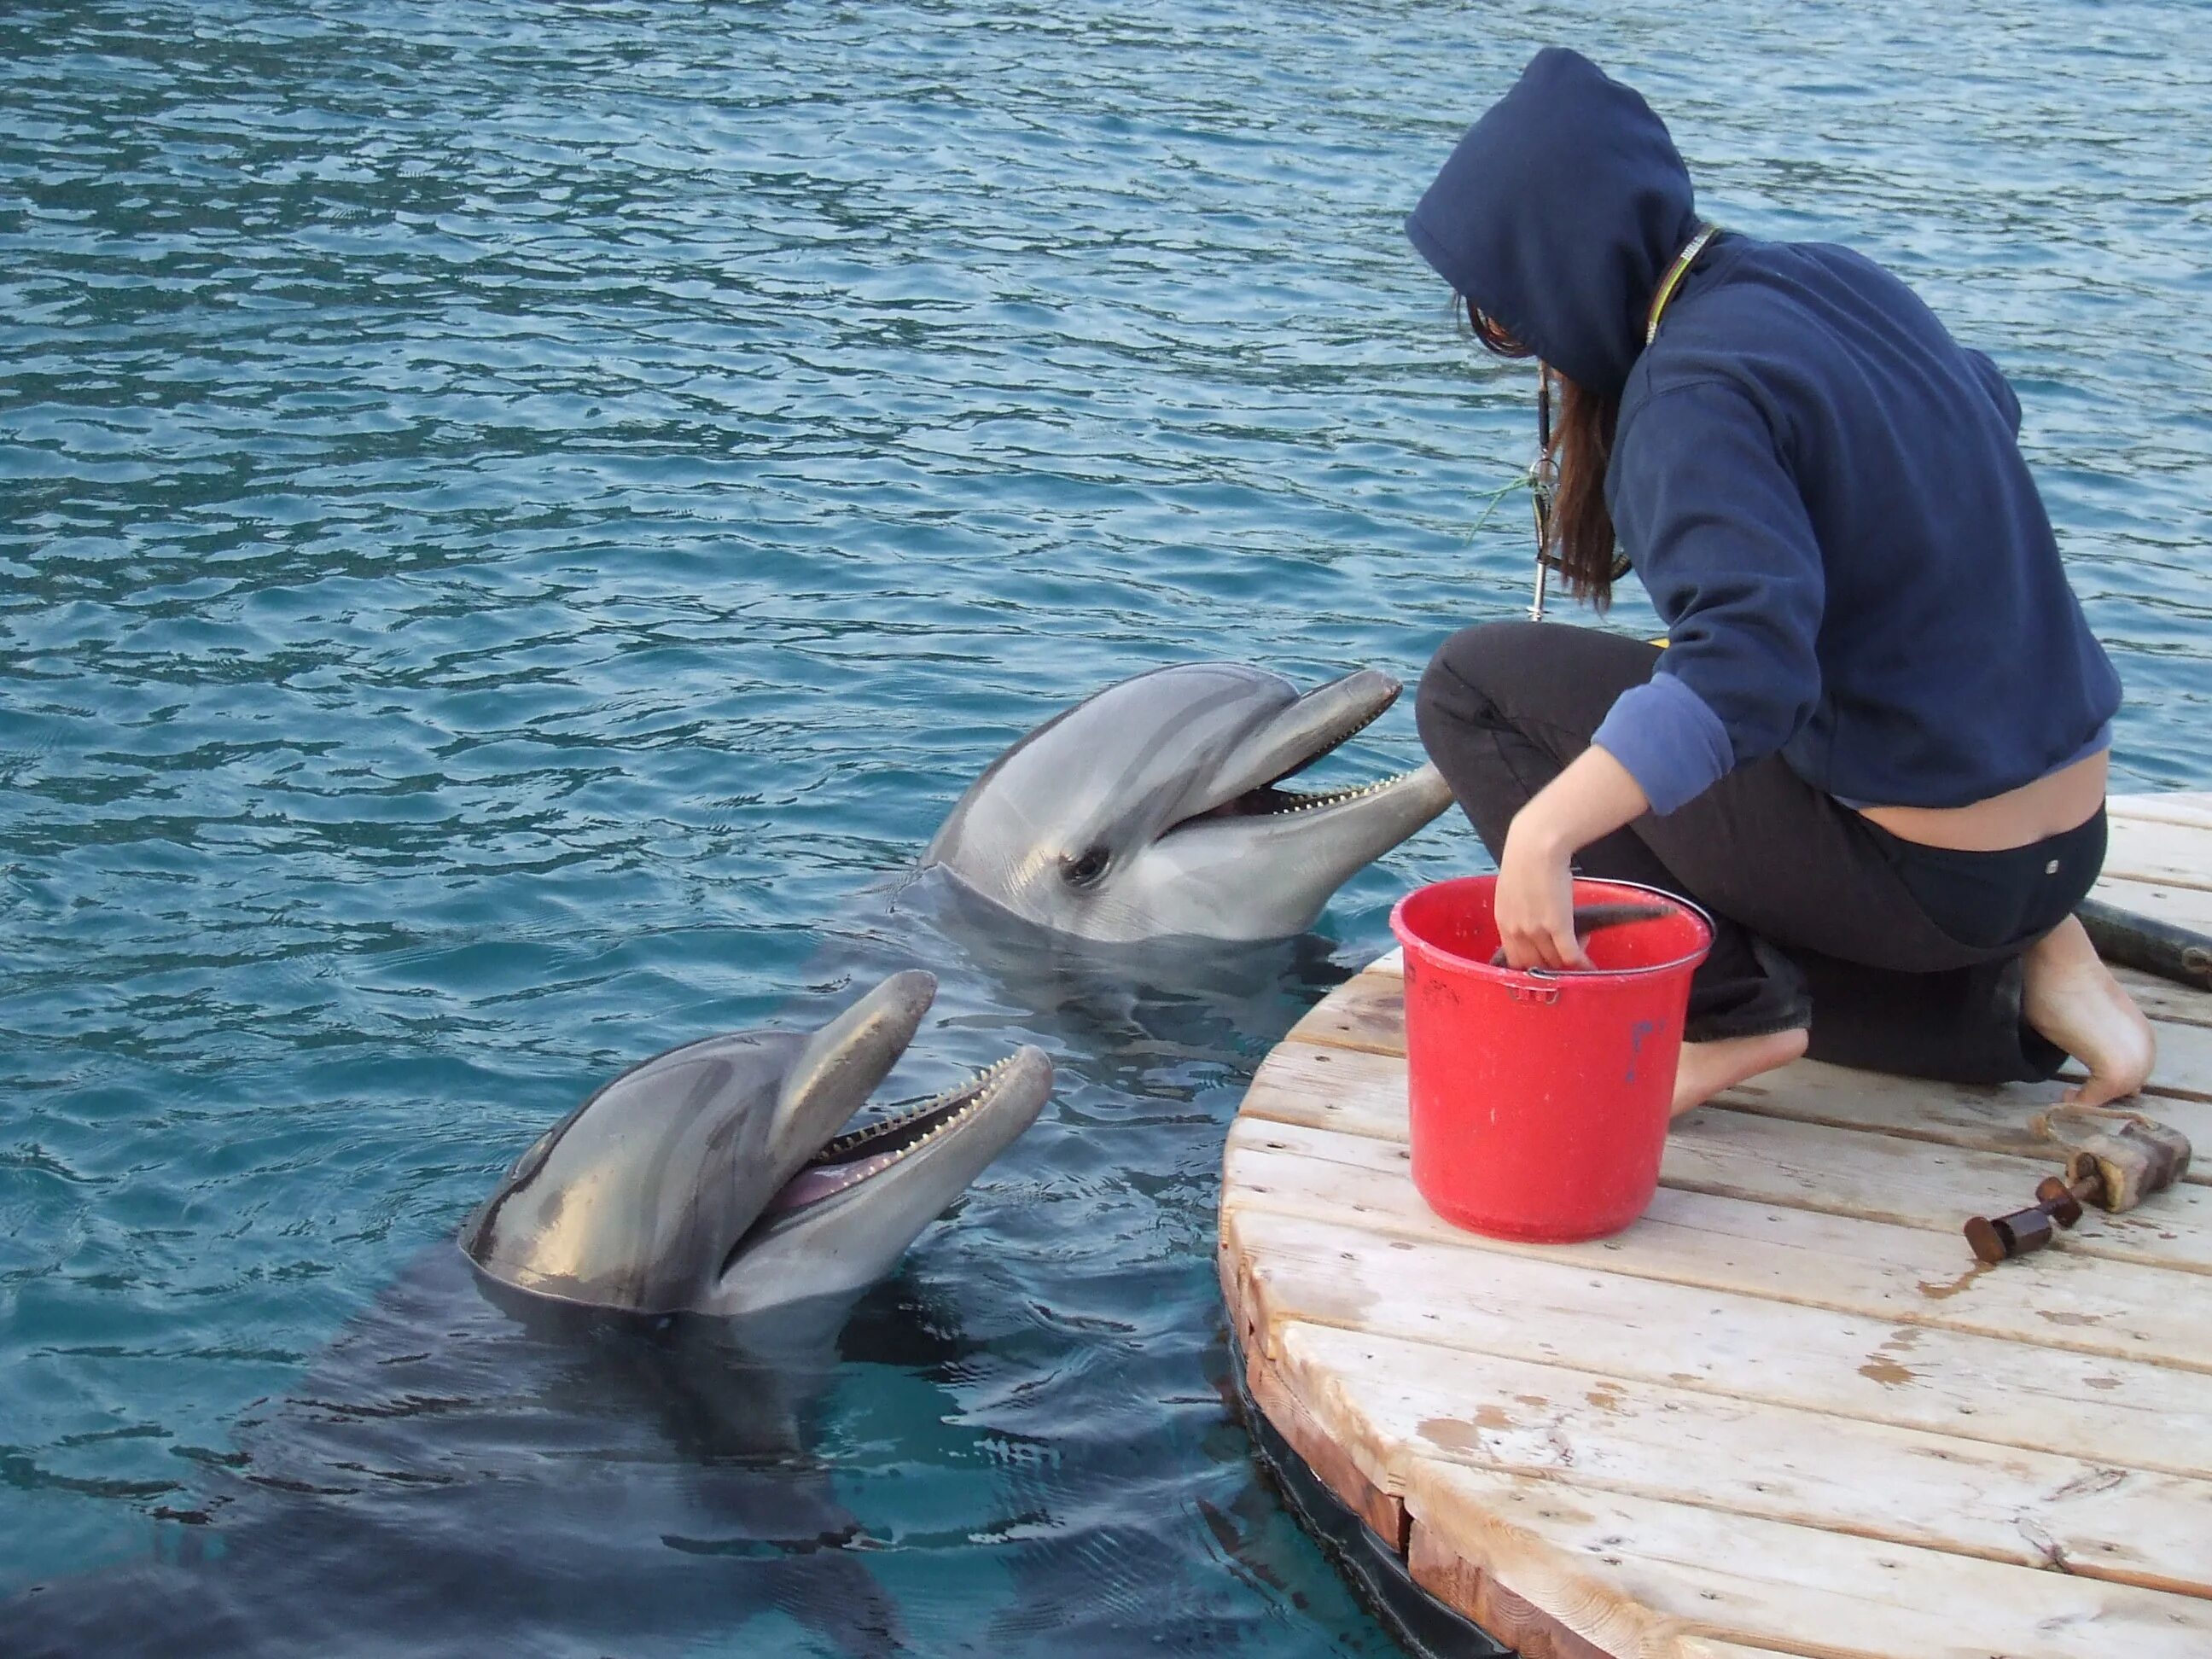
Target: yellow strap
(1673, 279)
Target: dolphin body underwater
(644, 1314)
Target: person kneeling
(1875, 745)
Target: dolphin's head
(1156, 807)
(721, 1177)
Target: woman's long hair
(1579, 536)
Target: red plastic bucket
(1539, 1100)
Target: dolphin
(587, 1430)
(721, 1178)
(1156, 807)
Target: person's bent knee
(1465, 679)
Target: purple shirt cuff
(1672, 744)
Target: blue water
(519, 517)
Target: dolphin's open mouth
(857, 1155)
(1270, 800)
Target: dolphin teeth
(951, 1107)
(1296, 802)
(1341, 797)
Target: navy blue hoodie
(1821, 491)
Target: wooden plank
(1770, 1365)
(1848, 1172)
(2185, 906)
(2155, 850)
(1990, 1119)
(1295, 1268)
(1467, 1578)
(1512, 1619)
(2192, 811)
(1636, 1577)
(1768, 1159)
(1400, 1401)
(1358, 1092)
(1352, 1091)
(1367, 1014)
(2056, 1300)
(1316, 1443)
(2165, 1001)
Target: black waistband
(1998, 899)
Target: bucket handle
(1590, 918)
(1544, 994)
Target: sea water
(521, 516)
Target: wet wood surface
(1785, 1412)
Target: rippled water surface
(519, 517)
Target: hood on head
(1558, 213)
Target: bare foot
(2071, 998)
(1706, 1068)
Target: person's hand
(1535, 904)
(1594, 797)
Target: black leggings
(1900, 958)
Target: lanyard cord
(1673, 279)
(1543, 482)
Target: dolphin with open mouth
(724, 1176)
(534, 1442)
(1159, 806)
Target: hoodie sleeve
(1717, 530)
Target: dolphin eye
(1084, 870)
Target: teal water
(519, 517)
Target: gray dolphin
(714, 1178)
(1156, 807)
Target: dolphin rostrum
(1156, 807)
(721, 1177)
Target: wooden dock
(1787, 1412)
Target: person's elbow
(1668, 739)
(1761, 718)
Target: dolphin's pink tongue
(812, 1186)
